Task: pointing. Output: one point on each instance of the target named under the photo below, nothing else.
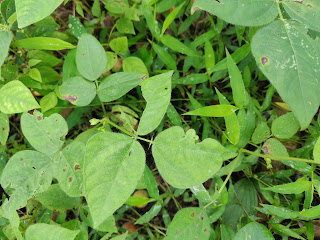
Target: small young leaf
(209, 55)
(316, 151)
(119, 45)
(214, 111)
(91, 58)
(189, 224)
(76, 27)
(174, 116)
(157, 93)
(117, 155)
(42, 231)
(312, 213)
(279, 211)
(261, 133)
(182, 162)
(48, 102)
(285, 126)
(286, 230)
(15, 97)
(43, 43)
(135, 65)
(151, 183)
(156, 208)
(164, 56)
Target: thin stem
(102, 104)
(279, 157)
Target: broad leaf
(5, 40)
(240, 12)
(32, 11)
(182, 162)
(91, 58)
(27, 172)
(157, 92)
(113, 165)
(261, 133)
(285, 126)
(43, 43)
(15, 97)
(78, 91)
(288, 57)
(4, 128)
(134, 65)
(69, 167)
(56, 199)
(118, 84)
(189, 224)
(42, 231)
(44, 134)
(254, 230)
(304, 11)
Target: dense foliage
(159, 119)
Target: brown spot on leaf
(39, 118)
(298, 2)
(264, 60)
(265, 150)
(70, 98)
(3, 129)
(309, 5)
(76, 167)
(192, 214)
(196, 9)
(64, 170)
(70, 179)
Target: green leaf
(182, 162)
(76, 27)
(45, 134)
(48, 102)
(4, 129)
(214, 111)
(157, 92)
(279, 211)
(275, 148)
(189, 224)
(91, 58)
(5, 41)
(311, 213)
(16, 97)
(32, 11)
(119, 45)
(173, 115)
(151, 184)
(254, 230)
(56, 199)
(35, 74)
(286, 55)
(240, 12)
(169, 19)
(177, 45)
(285, 126)
(237, 85)
(316, 151)
(304, 11)
(193, 78)
(232, 122)
(156, 208)
(123, 159)
(43, 43)
(209, 55)
(261, 133)
(69, 167)
(116, 85)
(237, 56)
(96, 10)
(125, 25)
(164, 56)
(286, 230)
(42, 231)
(78, 91)
(135, 65)
(27, 172)
(291, 188)
(69, 68)
(138, 201)
(111, 59)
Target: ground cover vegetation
(159, 119)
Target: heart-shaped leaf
(182, 162)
